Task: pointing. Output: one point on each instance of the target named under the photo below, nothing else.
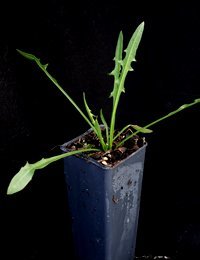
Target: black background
(78, 41)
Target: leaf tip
(197, 100)
(11, 189)
(27, 55)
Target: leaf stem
(64, 92)
(44, 69)
(162, 118)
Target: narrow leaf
(25, 174)
(43, 67)
(131, 52)
(96, 127)
(141, 129)
(136, 127)
(196, 101)
(91, 116)
(105, 125)
(99, 134)
(118, 64)
(126, 67)
(28, 55)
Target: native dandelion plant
(107, 135)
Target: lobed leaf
(120, 74)
(118, 65)
(131, 52)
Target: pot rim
(91, 160)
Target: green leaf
(131, 52)
(105, 125)
(122, 67)
(43, 67)
(196, 101)
(25, 174)
(29, 56)
(118, 65)
(95, 124)
(21, 179)
(142, 129)
(186, 105)
(99, 134)
(136, 127)
(32, 57)
(89, 112)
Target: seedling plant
(123, 64)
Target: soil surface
(110, 157)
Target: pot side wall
(104, 206)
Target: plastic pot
(104, 205)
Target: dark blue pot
(104, 205)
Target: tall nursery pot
(104, 205)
